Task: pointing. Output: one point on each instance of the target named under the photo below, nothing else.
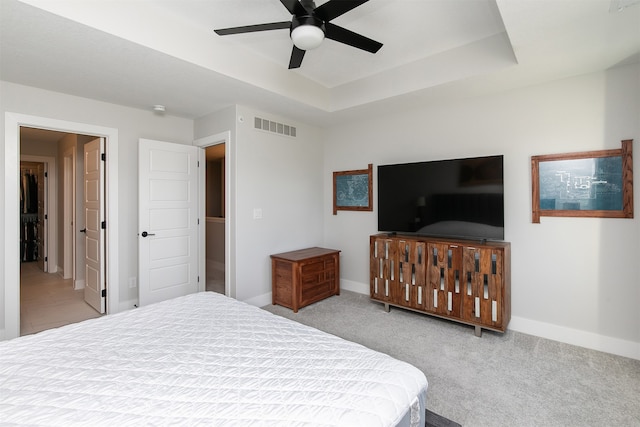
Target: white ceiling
(146, 52)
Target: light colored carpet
(510, 379)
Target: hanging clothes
(29, 237)
(29, 193)
(29, 217)
(33, 193)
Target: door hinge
(198, 279)
(46, 259)
(198, 163)
(198, 221)
(46, 175)
(104, 293)
(103, 225)
(46, 216)
(103, 157)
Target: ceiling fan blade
(334, 8)
(350, 38)
(295, 8)
(296, 57)
(254, 28)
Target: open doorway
(13, 123)
(222, 195)
(215, 217)
(51, 273)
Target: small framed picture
(352, 190)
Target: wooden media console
(460, 280)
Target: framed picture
(352, 190)
(583, 184)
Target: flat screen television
(456, 198)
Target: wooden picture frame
(583, 184)
(352, 190)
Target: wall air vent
(274, 127)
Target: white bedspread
(201, 359)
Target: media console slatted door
(464, 281)
(445, 272)
(382, 269)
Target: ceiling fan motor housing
(307, 20)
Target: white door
(167, 220)
(94, 290)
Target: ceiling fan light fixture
(307, 32)
(307, 37)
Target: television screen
(457, 198)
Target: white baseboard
(79, 284)
(126, 305)
(350, 285)
(60, 272)
(260, 300)
(563, 334)
(576, 337)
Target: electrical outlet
(132, 282)
(257, 213)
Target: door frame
(229, 211)
(51, 209)
(69, 211)
(13, 122)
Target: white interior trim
(69, 212)
(576, 337)
(229, 237)
(13, 122)
(353, 286)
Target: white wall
(573, 279)
(131, 124)
(280, 175)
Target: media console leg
(387, 308)
(478, 331)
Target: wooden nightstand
(305, 276)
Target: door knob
(84, 230)
(145, 234)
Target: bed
(203, 359)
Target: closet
(32, 212)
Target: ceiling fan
(310, 25)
